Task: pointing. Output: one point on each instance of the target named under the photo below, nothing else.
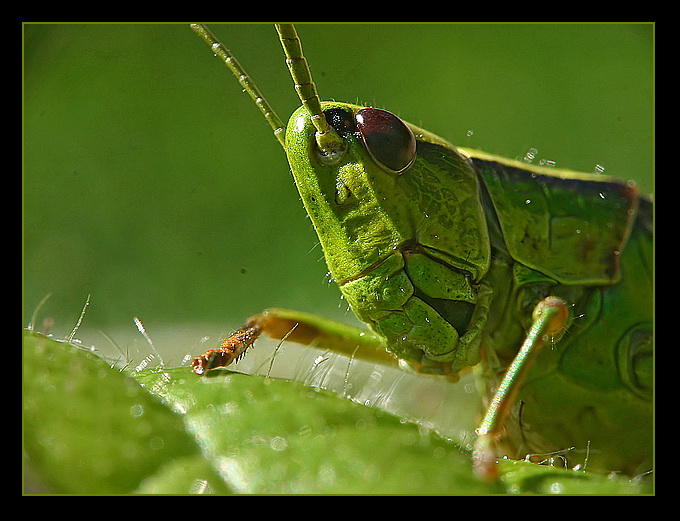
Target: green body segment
(568, 226)
(593, 389)
(446, 261)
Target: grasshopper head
(397, 206)
(350, 201)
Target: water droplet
(530, 155)
(156, 443)
(326, 474)
(555, 488)
(439, 452)
(599, 169)
(136, 410)
(470, 133)
(278, 444)
(199, 486)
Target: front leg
(299, 327)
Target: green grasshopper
(459, 259)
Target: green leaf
(91, 429)
(88, 428)
(523, 477)
(275, 436)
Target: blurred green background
(152, 182)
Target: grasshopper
(459, 259)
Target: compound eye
(387, 138)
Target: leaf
(89, 428)
(275, 436)
(523, 477)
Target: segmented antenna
(246, 82)
(329, 141)
(331, 145)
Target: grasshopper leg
(549, 320)
(229, 350)
(299, 327)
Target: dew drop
(555, 488)
(199, 486)
(278, 444)
(136, 410)
(530, 155)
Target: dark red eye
(388, 139)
